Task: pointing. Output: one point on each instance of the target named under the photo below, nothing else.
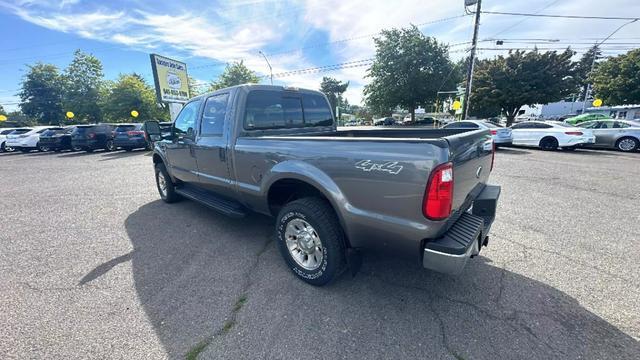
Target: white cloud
(238, 30)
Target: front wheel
(311, 240)
(627, 144)
(166, 187)
(43, 148)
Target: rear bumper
(450, 252)
(129, 142)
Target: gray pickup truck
(417, 193)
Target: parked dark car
(385, 122)
(57, 139)
(129, 137)
(92, 137)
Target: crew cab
(417, 193)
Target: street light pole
(593, 60)
(472, 60)
(270, 69)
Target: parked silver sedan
(623, 135)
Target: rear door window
(215, 111)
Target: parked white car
(3, 138)
(550, 135)
(26, 141)
(500, 135)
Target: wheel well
(548, 138)
(287, 190)
(627, 137)
(157, 159)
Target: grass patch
(196, 350)
(240, 303)
(228, 325)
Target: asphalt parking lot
(94, 265)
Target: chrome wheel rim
(626, 144)
(162, 184)
(304, 245)
(110, 145)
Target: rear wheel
(311, 240)
(627, 144)
(166, 187)
(109, 145)
(43, 148)
(549, 143)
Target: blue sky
(294, 34)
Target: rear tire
(109, 145)
(42, 148)
(627, 144)
(166, 187)
(549, 144)
(311, 221)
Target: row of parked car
(88, 137)
(623, 135)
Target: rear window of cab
(267, 109)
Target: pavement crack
(230, 320)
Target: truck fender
(305, 172)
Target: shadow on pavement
(192, 267)
(512, 151)
(118, 154)
(81, 153)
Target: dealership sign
(170, 77)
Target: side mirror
(152, 130)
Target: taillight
(439, 194)
(91, 135)
(577, 133)
(494, 132)
(134, 133)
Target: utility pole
(596, 47)
(270, 69)
(472, 59)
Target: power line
(560, 16)
(523, 20)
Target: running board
(211, 200)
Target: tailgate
(471, 153)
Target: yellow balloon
(70, 114)
(3, 118)
(597, 102)
(456, 105)
(134, 113)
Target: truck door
(212, 144)
(179, 150)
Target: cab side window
(186, 120)
(215, 111)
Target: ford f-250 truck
(417, 193)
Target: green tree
(234, 74)
(42, 93)
(333, 89)
(17, 119)
(617, 80)
(83, 79)
(521, 78)
(408, 70)
(194, 89)
(131, 92)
